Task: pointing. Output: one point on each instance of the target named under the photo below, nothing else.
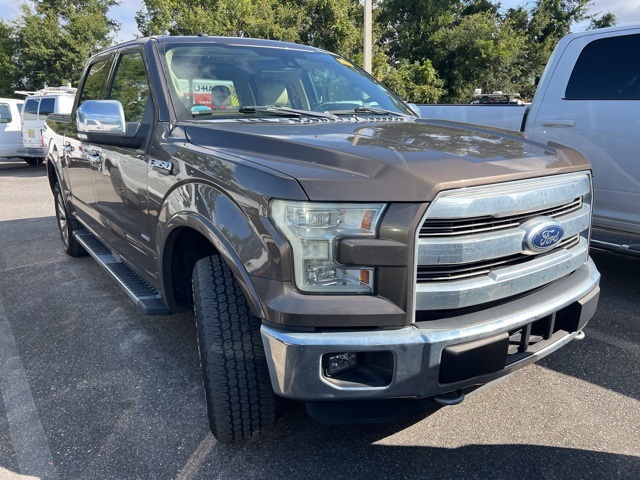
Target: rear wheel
(33, 161)
(66, 225)
(240, 399)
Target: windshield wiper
(284, 111)
(204, 113)
(378, 111)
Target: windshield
(230, 81)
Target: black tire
(33, 161)
(66, 225)
(240, 400)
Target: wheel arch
(53, 159)
(191, 234)
(191, 239)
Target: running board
(620, 242)
(145, 297)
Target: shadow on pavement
(612, 344)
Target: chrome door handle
(558, 122)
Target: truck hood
(383, 158)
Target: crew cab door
(593, 105)
(79, 164)
(120, 183)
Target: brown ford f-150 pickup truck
(335, 248)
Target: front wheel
(66, 225)
(240, 399)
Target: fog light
(335, 363)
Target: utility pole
(367, 34)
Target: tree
(414, 82)
(550, 21)
(408, 26)
(334, 25)
(53, 40)
(8, 69)
(479, 51)
(544, 26)
(240, 18)
(607, 19)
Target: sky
(626, 11)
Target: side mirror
(414, 108)
(101, 116)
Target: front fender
(237, 234)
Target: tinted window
(94, 85)
(30, 109)
(5, 113)
(607, 69)
(47, 106)
(130, 86)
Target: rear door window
(31, 109)
(607, 69)
(47, 107)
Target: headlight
(313, 229)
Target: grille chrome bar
(435, 273)
(508, 199)
(489, 245)
(501, 283)
(433, 228)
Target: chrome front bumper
(417, 351)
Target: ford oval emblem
(542, 234)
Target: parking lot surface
(92, 389)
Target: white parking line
(27, 435)
(197, 458)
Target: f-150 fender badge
(156, 164)
(541, 234)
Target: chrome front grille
(466, 226)
(471, 246)
(446, 272)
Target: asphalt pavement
(92, 389)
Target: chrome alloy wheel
(61, 216)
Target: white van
(10, 140)
(37, 106)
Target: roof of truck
(203, 38)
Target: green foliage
(414, 82)
(52, 41)
(477, 52)
(241, 18)
(8, 70)
(408, 25)
(607, 20)
(334, 25)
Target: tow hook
(451, 398)
(580, 335)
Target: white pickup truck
(588, 98)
